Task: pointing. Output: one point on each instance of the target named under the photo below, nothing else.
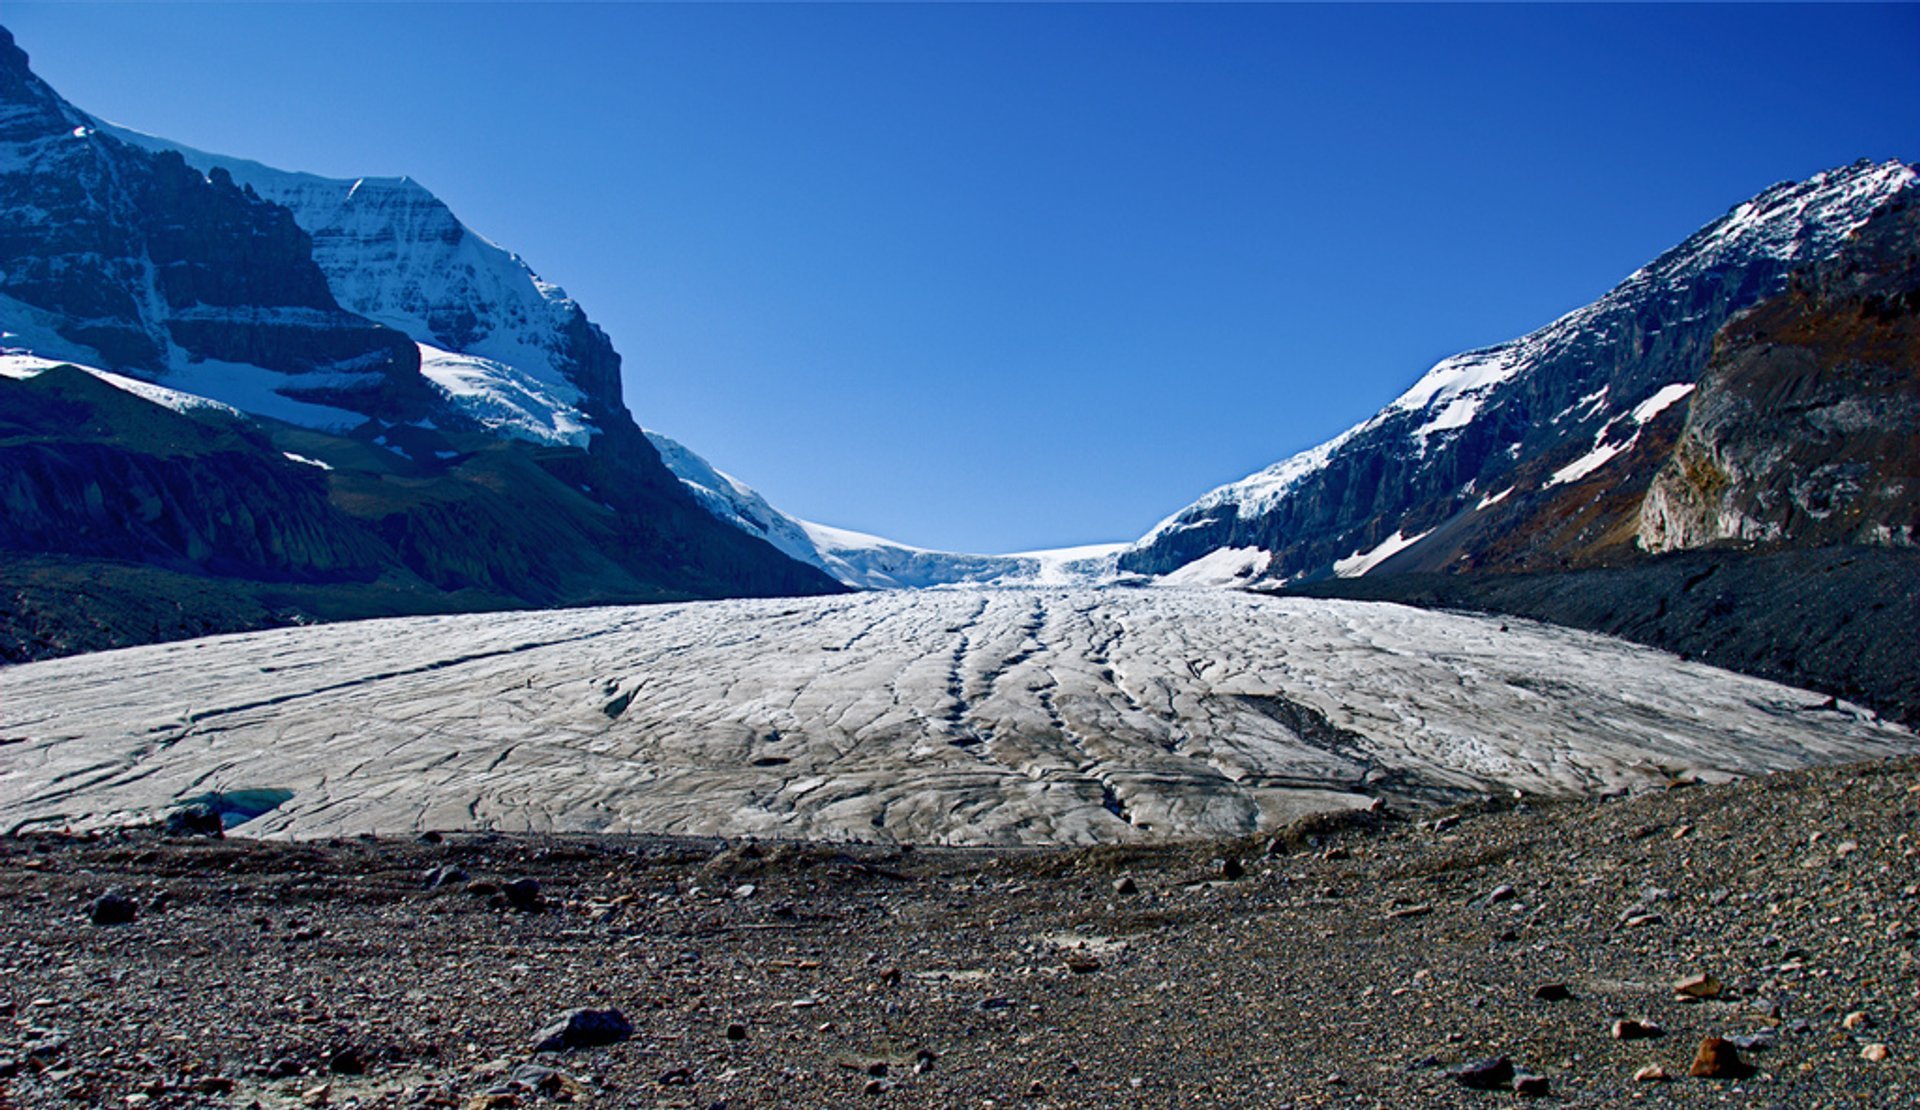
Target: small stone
(891, 977)
(1083, 964)
(348, 1061)
(1492, 1074)
(1700, 985)
(1445, 823)
(1756, 1041)
(317, 1096)
(1231, 868)
(1501, 893)
(446, 876)
(112, 908)
(1629, 1029)
(1532, 1086)
(1855, 1020)
(737, 1031)
(583, 1028)
(195, 820)
(1718, 1059)
(1877, 1053)
(1652, 1073)
(923, 1061)
(481, 888)
(524, 895)
(1404, 912)
(874, 1087)
(1553, 992)
(878, 1069)
(1336, 853)
(1036, 1089)
(493, 1100)
(213, 1085)
(1125, 885)
(677, 1077)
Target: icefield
(993, 716)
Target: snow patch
(20, 365)
(307, 461)
(1226, 566)
(1360, 562)
(1493, 499)
(506, 399)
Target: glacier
(959, 716)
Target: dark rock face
(1512, 417)
(139, 258)
(1806, 427)
(1835, 619)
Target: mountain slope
(870, 562)
(143, 303)
(1527, 438)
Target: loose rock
(1701, 985)
(1632, 1029)
(583, 1028)
(1718, 1059)
(1492, 1074)
(112, 908)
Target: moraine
(997, 716)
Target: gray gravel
(1355, 962)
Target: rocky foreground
(1371, 959)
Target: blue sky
(993, 277)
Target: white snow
(1493, 499)
(1360, 562)
(19, 364)
(256, 390)
(960, 716)
(1659, 402)
(1223, 566)
(307, 461)
(506, 399)
(1604, 452)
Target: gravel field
(1357, 961)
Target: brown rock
(1718, 1059)
(1876, 1052)
(1630, 1029)
(1652, 1073)
(1700, 985)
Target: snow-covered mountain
(870, 562)
(506, 348)
(1499, 456)
(426, 426)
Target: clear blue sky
(991, 277)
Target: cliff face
(131, 260)
(1805, 429)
